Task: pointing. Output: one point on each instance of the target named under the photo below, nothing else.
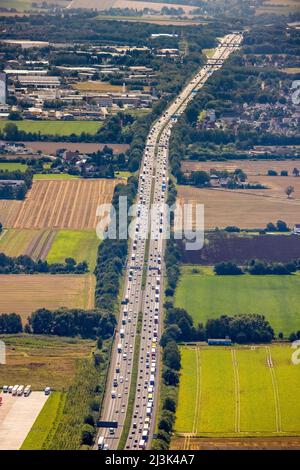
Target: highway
(143, 295)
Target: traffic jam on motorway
(146, 296)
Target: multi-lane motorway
(142, 300)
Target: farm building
(219, 342)
(297, 229)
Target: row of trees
(242, 328)
(62, 322)
(25, 265)
(257, 267)
(112, 254)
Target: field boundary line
(198, 392)
(275, 390)
(237, 392)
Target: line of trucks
(19, 390)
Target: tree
(289, 190)
(282, 226)
(87, 434)
(200, 178)
(170, 377)
(169, 404)
(171, 356)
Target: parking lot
(17, 415)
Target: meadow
(205, 295)
(45, 422)
(54, 176)
(82, 245)
(238, 392)
(58, 128)
(13, 166)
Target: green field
(13, 166)
(240, 391)
(45, 422)
(82, 245)
(56, 127)
(59, 176)
(206, 296)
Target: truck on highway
(152, 379)
(142, 444)
(101, 443)
(119, 348)
(122, 333)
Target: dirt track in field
(40, 245)
(61, 204)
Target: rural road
(143, 296)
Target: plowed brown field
(59, 204)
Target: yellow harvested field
(251, 167)
(25, 293)
(59, 204)
(151, 5)
(98, 86)
(244, 209)
(9, 211)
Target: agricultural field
(276, 297)
(50, 148)
(13, 166)
(225, 207)
(56, 127)
(279, 7)
(8, 211)
(33, 243)
(25, 293)
(98, 86)
(54, 204)
(42, 360)
(244, 209)
(189, 442)
(133, 4)
(243, 247)
(54, 176)
(250, 167)
(82, 245)
(238, 391)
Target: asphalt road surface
(143, 295)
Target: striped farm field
(59, 204)
(25, 293)
(238, 391)
(8, 211)
(30, 242)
